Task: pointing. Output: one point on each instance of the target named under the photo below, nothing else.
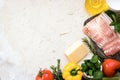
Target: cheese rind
(77, 51)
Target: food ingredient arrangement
(102, 39)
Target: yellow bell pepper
(71, 71)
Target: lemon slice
(95, 6)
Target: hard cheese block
(77, 51)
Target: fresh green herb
(90, 72)
(94, 59)
(116, 20)
(89, 45)
(98, 75)
(57, 71)
(84, 67)
(112, 15)
(92, 67)
(116, 26)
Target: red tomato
(44, 75)
(109, 66)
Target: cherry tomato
(45, 75)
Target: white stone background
(35, 33)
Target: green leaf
(98, 65)
(84, 67)
(112, 15)
(116, 20)
(85, 40)
(87, 61)
(98, 75)
(90, 65)
(94, 59)
(90, 72)
(117, 27)
(112, 23)
(94, 69)
(57, 72)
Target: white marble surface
(34, 33)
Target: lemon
(95, 6)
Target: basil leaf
(98, 75)
(84, 67)
(90, 65)
(117, 27)
(98, 65)
(94, 59)
(116, 20)
(112, 15)
(90, 72)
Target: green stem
(74, 72)
(89, 45)
(40, 73)
(58, 64)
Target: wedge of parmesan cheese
(77, 51)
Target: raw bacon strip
(99, 30)
(91, 29)
(112, 48)
(102, 34)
